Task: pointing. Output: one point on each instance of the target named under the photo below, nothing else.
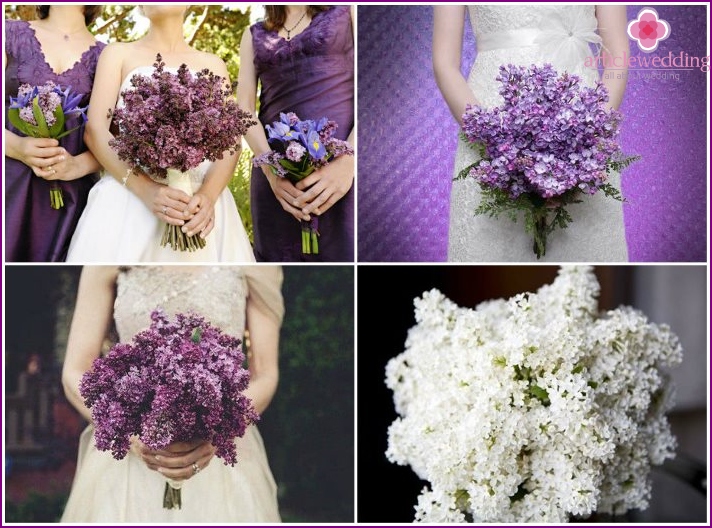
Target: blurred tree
(216, 29)
(309, 427)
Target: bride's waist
(512, 38)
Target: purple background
(407, 140)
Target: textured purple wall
(407, 140)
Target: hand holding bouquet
(179, 380)
(298, 149)
(43, 112)
(551, 143)
(170, 123)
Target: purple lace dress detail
(34, 232)
(312, 75)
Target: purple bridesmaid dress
(311, 75)
(34, 232)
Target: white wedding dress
(117, 227)
(109, 491)
(525, 35)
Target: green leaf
(23, 126)
(500, 361)
(56, 129)
(66, 133)
(540, 394)
(42, 129)
(296, 169)
(197, 334)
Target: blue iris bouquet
(299, 148)
(42, 112)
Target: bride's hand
(179, 461)
(287, 195)
(201, 213)
(166, 204)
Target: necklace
(289, 31)
(66, 35)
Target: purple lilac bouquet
(179, 380)
(551, 142)
(171, 122)
(43, 112)
(298, 149)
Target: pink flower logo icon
(647, 30)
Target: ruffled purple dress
(311, 75)
(34, 232)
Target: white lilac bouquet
(180, 379)
(170, 123)
(551, 143)
(298, 149)
(533, 409)
(43, 112)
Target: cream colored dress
(111, 491)
(524, 35)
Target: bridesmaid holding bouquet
(303, 58)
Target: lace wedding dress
(110, 491)
(526, 35)
(117, 227)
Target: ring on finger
(165, 209)
(196, 468)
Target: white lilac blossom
(532, 409)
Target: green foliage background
(309, 427)
(214, 28)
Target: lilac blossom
(295, 151)
(177, 120)
(551, 135)
(180, 379)
(550, 141)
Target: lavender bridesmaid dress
(34, 232)
(312, 75)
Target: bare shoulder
(99, 275)
(212, 62)
(116, 52)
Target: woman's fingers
(47, 162)
(179, 461)
(288, 196)
(204, 215)
(169, 205)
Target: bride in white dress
(127, 212)
(233, 298)
(525, 35)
